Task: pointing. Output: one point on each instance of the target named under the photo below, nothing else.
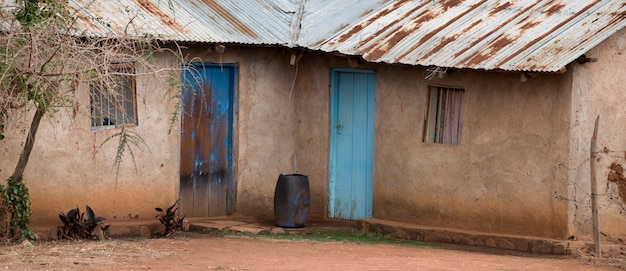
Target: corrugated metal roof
(325, 19)
(539, 35)
(514, 35)
(247, 22)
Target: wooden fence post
(594, 193)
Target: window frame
(444, 124)
(123, 72)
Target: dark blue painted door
(352, 112)
(206, 186)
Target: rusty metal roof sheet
(514, 35)
(247, 22)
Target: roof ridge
(294, 30)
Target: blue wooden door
(206, 187)
(352, 113)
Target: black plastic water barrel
(292, 200)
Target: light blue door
(352, 119)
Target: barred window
(113, 101)
(445, 118)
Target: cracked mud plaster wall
(616, 176)
(500, 178)
(65, 171)
(266, 127)
(598, 88)
(283, 129)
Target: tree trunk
(28, 146)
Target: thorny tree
(44, 61)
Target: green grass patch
(346, 237)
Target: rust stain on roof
(244, 29)
(617, 17)
(554, 9)
(376, 46)
(476, 41)
(403, 32)
(450, 4)
(431, 34)
(530, 25)
(440, 46)
(501, 42)
(500, 8)
(82, 17)
(356, 29)
(546, 33)
(478, 34)
(478, 58)
(150, 7)
(449, 22)
(375, 51)
(494, 47)
(425, 17)
(488, 34)
(399, 36)
(533, 67)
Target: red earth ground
(217, 252)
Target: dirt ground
(213, 252)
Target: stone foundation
(448, 236)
